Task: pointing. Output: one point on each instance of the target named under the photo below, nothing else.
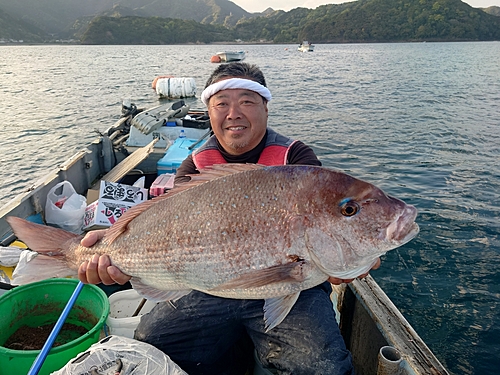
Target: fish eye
(349, 208)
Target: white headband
(235, 83)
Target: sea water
(420, 120)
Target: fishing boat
(228, 56)
(379, 337)
(306, 47)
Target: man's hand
(99, 268)
(337, 281)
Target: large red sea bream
(239, 231)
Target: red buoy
(215, 59)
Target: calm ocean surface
(422, 121)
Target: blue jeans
(203, 333)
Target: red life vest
(275, 151)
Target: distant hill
(15, 30)
(153, 30)
(59, 16)
(493, 10)
(376, 21)
(209, 21)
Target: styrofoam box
(122, 306)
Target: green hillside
(493, 10)
(152, 30)
(377, 21)
(57, 17)
(209, 21)
(16, 30)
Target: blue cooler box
(176, 154)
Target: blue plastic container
(176, 154)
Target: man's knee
(308, 341)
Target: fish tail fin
(42, 238)
(36, 267)
(51, 244)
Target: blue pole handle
(55, 331)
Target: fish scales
(237, 222)
(244, 231)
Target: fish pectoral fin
(276, 309)
(288, 272)
(157, 295)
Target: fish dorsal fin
(121, 225)
(205, 175)
(211, 173)
(221, 170)
(276, 309)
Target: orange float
(215, 59)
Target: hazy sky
(260, 5)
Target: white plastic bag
(20, 277)
(9, 256)
(123, 355)
(65, 208)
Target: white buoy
(176, 88)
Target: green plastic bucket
(41, 303)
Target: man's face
(238, 118)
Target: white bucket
(176, 88)
(122, 306)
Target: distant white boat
(227, 56)
(306, 47)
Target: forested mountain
(376, 21)
(153, 30)
(58, 17)
(358, 21)
(493, 10)
(11, 28)
(209, 21)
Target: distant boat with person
(306, 47)
(228, 56)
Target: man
(199, 331)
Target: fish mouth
(404, 228)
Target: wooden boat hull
(369, 320)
